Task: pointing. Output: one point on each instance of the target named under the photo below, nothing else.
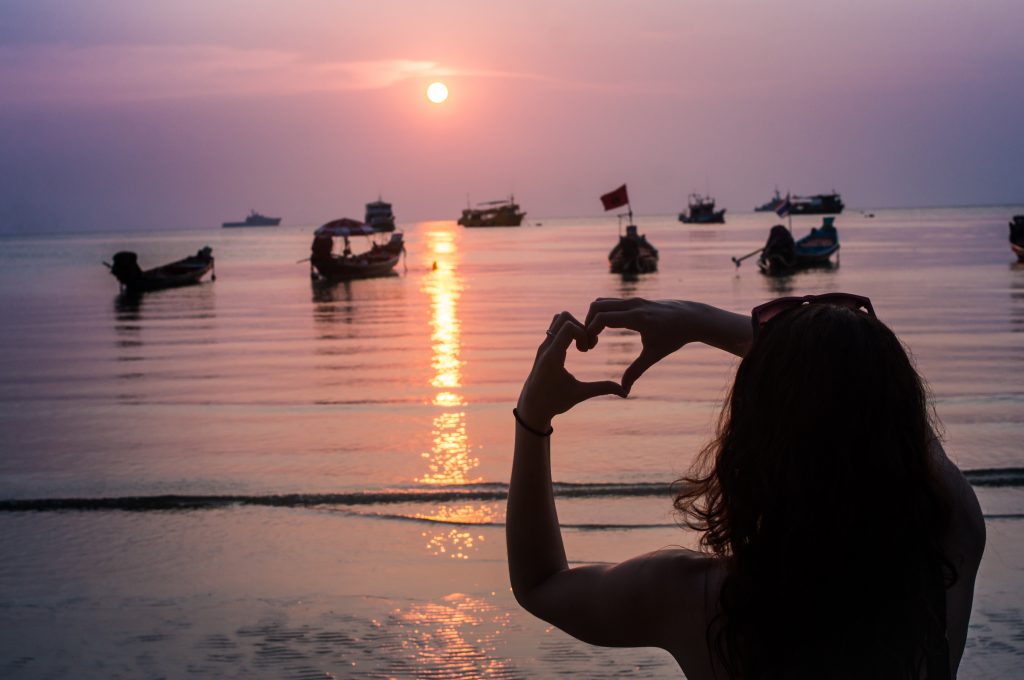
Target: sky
(120, 114)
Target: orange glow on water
(457, 637)
(449, 460)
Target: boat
(771, 205)
(702, 211)
(185, 272)
(379, 260)
(380, 216)
(503, 213)
(255, 220)
(819, 204)
(1017, 236)
(781, 255)
(633, 254)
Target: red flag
(615, 199)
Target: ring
(550, 332)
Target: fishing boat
(771, 205)
(633, 254)
(1017, 236)
(503, 213)
(702, 211)
(379, 260)
(781, 255)
(255, 220)
(380, 216)
(819, 204)
(185, 272)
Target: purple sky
(122, 114)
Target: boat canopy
(345, 227)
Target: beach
(307, 480)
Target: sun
(437, 92)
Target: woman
(837, 539)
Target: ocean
(302, 480)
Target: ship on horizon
(503, 213)
(255, 219)
(380, 216)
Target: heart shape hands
(550, 389)
(660, 323)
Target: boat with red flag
(633, 254)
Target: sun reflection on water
(449, 460)
(456, 638)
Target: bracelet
(529, 429)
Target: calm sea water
(312, 420)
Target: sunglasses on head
(762, 314)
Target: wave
(1013, 476)
(986, 477)
(584, 526)
(450, 494)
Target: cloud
(115, 74)
(125, 73)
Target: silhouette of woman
(837, 539)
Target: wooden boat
(702, 211)
(781, 255)
(379, 260)
(503, 213)
(181, 273)
(1017, 236)
(633, 254)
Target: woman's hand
(662, 325)
(665, 326)
(550, 389)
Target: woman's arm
(665, 326)
(651, 600)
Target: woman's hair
(820, 492)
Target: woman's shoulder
(690, 582)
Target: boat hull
(378, 261)
(186, 272)
(633, 256)
(382, 225)
(1018, 250)
(513, 220)
(265, 222)
(340, 268)
(778, 265)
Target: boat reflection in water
(449, 460)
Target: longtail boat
(633, 254)
(184, 272)
(379, 260)
(782, 255)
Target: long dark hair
(819, 492)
